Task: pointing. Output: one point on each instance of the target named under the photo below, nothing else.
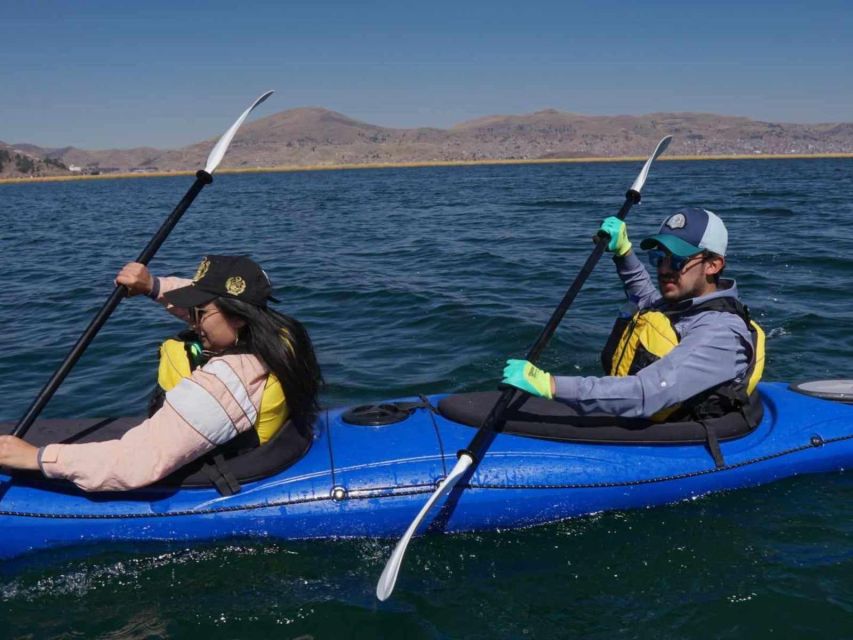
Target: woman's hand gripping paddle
(486, 433)
(203, 177)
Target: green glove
(618, 233)
(527, 377)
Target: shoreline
(424, 164)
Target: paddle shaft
(202, 178)
(468, 459)
(484, 434)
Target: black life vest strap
(609, 352)
(713, 444)
(220, 475)
(723, 303)
(215, 464)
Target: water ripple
(421, 281)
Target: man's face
(684, 278)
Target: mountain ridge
(315, 136)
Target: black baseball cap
(237, 277)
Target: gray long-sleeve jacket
(715, 347)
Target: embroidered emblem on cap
(203, 266)
(678, 221)
(235, 285)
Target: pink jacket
(219, 401)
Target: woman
(244, 371)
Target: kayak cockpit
(552, 420)
(283, 450)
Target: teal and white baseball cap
(688, 232)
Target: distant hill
(27, 160)
(314, 136)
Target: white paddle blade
(641, 179)
(392, 568)
(221, 147)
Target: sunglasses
(676, 263)
(197, 314)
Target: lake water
(422, 281)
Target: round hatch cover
(376, 415)
(838, 390)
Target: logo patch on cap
(203, 266)
(678, 221)
(235, 285)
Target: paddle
(485, 434)
(203, 177)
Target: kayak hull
(358, 481)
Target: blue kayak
(363, 479)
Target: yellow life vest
(176, 363)
(649, 335)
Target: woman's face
(216, 330)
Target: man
(687, 352)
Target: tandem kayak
(369, 470)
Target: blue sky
(166, 74)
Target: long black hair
(283, 344)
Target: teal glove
(527, 377)
(615, 228)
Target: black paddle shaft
(202, 178)
(487, 430)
